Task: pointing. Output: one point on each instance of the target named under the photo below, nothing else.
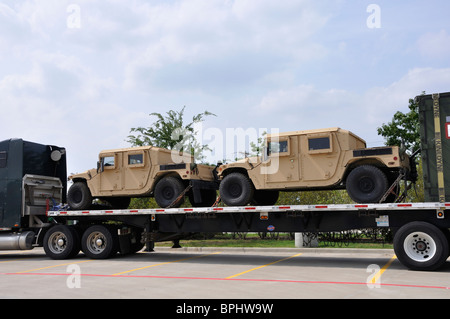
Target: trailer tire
(167, 190)
(100, 242)
(366, 184)
(236, 189)
(79, 196)
(61, 242)
(421, 246)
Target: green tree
(172, 132)
(403, 129)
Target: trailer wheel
(421, 246)
(79, 196)
(61, 242)
(100, 242)
(167, 190)
(366, 184)
(236, 189)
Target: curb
(278, 250)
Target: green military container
(434, 118)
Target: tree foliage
(171, 132)
(403, 129)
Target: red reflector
(250, 208)
(134, 211)
(218, 208)
(160, 210)
(85, 212)
(404, 205)
(321, 206)
(63, 213)
(361, 206)
(109, 212)
(285, 207)
(188, 210)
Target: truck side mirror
(100, 167)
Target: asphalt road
(225, 274)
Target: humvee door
(110, 177)
(282, 160)
(320, 156)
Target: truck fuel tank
(17, 241)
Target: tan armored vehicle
(142, 172)
(324, 159)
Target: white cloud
(435, 45)
(290, 64)
(232, 38)
(308, 107)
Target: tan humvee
(142, 172)
(322, 159)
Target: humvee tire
(236, 189)
(167, 190)
(79, 196)
(366, 184)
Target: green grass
(267, 243)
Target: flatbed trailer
(421, 236)
(33, 181)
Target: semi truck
(33, 214)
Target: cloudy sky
(81, 73)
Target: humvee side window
(3, 158)
(135, 159)
(321, 143)
(278, 147)
(108, 161)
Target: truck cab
(143, 172)
(323, 159)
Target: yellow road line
(8, 261)
(165, 263)
(272, 263)
(377, 276)
(71, 263)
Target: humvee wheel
(79, 196)
(366, 184)
(167, 190)
(236, 189)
